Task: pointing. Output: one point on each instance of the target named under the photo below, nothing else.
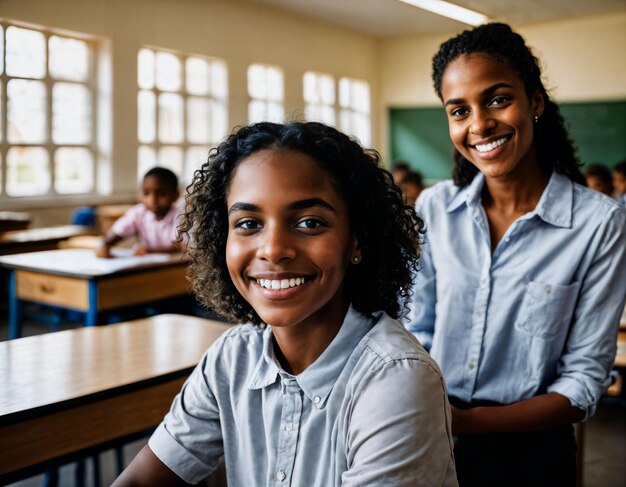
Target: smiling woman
(520, 260)
(297, 230)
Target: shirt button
(471, 366)
(289, 426)
(317, 399)
(280, 475)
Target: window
(182, 110)
(319, 97)
(47, 128)
(267, 93)
(354, 109)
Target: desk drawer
(56, 290)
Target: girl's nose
(276, 245)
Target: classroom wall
(239, 32)
(582, 59)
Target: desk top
(83, 263)
(41, 234)
(13, 220)
(44, 372)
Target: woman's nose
(482, 122)
(277, 244)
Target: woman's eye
(499, 100)
(459, 112)
(247, 225)
(310, 223)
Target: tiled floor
(604, 449)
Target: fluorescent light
(450, 10)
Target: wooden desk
(78, 280)
(13, 220)
(620, 358)
(72, 390)
(38, 239)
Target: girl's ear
(357, 255)
(537, 104)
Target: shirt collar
(318, 379)
(554, 207)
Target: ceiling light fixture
(450, 10)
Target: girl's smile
(289, 239)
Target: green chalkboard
(598, 129)
(420, 135)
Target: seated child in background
(298, 232)
(619, 181)
(598, 177)
(153, 221)
(411, 186)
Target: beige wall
(582, 60)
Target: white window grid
(355, 109)
(52, 184)
(166, 136)
(266, 90)
(319, 97)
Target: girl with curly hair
(296, 230)
(522, 279)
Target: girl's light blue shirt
(371, 410)
(541, 313)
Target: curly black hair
(388, 232)
(553, 145)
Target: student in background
(299, 233)
(153, 221)
(619, 181)
(411, 186)
(399, 169)
(522, 279)
(599, 178)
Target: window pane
(274, 84)
(219, 79)
(146, 160)
(146, 113)
(73, 170)
(1, 49)
(275, 112)
(170, 118)
(145, 69)
(26, 53)
(198, 118)
(327, 90)
(71, 114)
(28, 171)
(1, 112)
(194, 158)
(69, 58)
(26, 111)
(171, 158)
(257, 86)
(344, 92)
(257, 111)
(309, 84)
(197, 76)
(219, 121)
(168, 72)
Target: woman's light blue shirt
(371, 410)
(538, 315)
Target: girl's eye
(248, 225)
(310, 223)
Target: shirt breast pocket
(547, 309)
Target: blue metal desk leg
(15, 310)
(92, 313)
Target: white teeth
(280, 284)
(491, 145)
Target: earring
(536, 118)
(356, 259)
